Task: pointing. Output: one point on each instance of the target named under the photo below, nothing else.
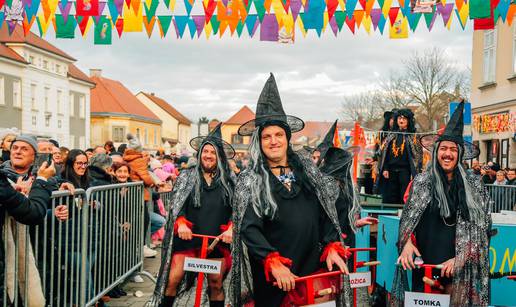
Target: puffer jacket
(139, 169)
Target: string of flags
(271, 20)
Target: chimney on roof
(95, 72)
(152, 94)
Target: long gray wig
(223, 174)
(473, 201)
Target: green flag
(65, 30)
(479, 9)
(103, 30)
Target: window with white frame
(45, 64)
(82, 107)
(47, 99)
(17, 101)
(58, 69)
(118, 134)
(59, 100)
(489, 56)
(72, 103)
(33, 103)
(2, 91)
(34, 120)
(31, 59)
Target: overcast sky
(215, 77)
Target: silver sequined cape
(241, 279)
(471, 272)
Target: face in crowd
(56, 155)
(511, 174)
(122, 174)
(8, 140)
(316, 155)
(274, 144)
(208, 158)
(80, 165)
(45, 147)
(500, 176)
(402, 122)
(448, 156)
(22, 155)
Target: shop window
(489, 56)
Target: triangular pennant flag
(191, 28)
(27, 24)
(2, 2)
(102, 5)
(164, 24)
(350, 7)
(511, 13)
(113, 9)
(87, 8)
(64, 29)
(393, 14)
(232, 23)
(375, 17)
(462, 15)
(260, 9)
(430, 20)
(340, 17)
(180, 22)
(359, 15)
(31, 9)
(128, 3)
(133, 20)
(188, 6)
(333, 25)
(386, 7)
(103, 31)
(369, 6)
(351, 24)
(295, 8)
(222, 27)
(208, 29)
(332, 7)
(363, 3)
(267, 5)
(479, 9)
(459, 4)
(413, 19)
(150, 8)
(199, 21)
(209, 9)
(82, 22)
(119, 25)
(381, 23)
(503, 8)
(11, 25)
(300, 24)
(239, 28)
(367, 24)
(269, 28)
(249, 23)
(43, 24)
(65, 10)
(49, 9)
(313, 18)
(445, 11)
(2, 17)
(136, 5)
(149, 25)
(215, 24)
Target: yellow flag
(386, 7)
(366, 22)
(400, 27)
(208, 29)
(464, 13)
(133, 18)
(325, 21)
(44, 23)
(88, 26)
(342, 5)
(49, 8)
(172, 5)
(288, 23)
(301, 26)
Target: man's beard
(207, 169)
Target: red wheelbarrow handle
(314, 276)
(513, 277)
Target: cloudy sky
(215, 77)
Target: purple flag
(119, 6)
(376, 14)
(65, 10)
(269, 29)
(102, 5)
(199, 21)
(295, 7)
(334, 26)
(445, 11)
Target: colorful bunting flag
(64, 29)
(399, 29)
(103, 31)
(164, 24)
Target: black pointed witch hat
(270, 109)
(326, 143)
(214, 138)
(337, 161)
(453, 132)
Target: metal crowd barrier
(503, 197)
(77, 261)
(166, 197)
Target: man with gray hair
(100, 170)
(446, 222)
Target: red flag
(393, 14)
(87, 8)
(486, 23)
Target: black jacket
(99, 177)
(26, 210)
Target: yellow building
(115, 111)
(493, 94)
(230, 130)
(176, 127)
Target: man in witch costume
(337, 164)
(201, 204)
(321, 149)
(285, 222)
(400, 158)
(446, 221)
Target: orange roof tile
(169, 109)
(244, 115)
(6, 52)
(18, 36)
(110, 96)
(76, 73)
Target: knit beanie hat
(29, 139)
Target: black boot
(167, 301)
(216, 303)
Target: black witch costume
(448, 220)
(205, 209)
(325, 144)
(401, 156)
(289, 218)
(337, 164)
